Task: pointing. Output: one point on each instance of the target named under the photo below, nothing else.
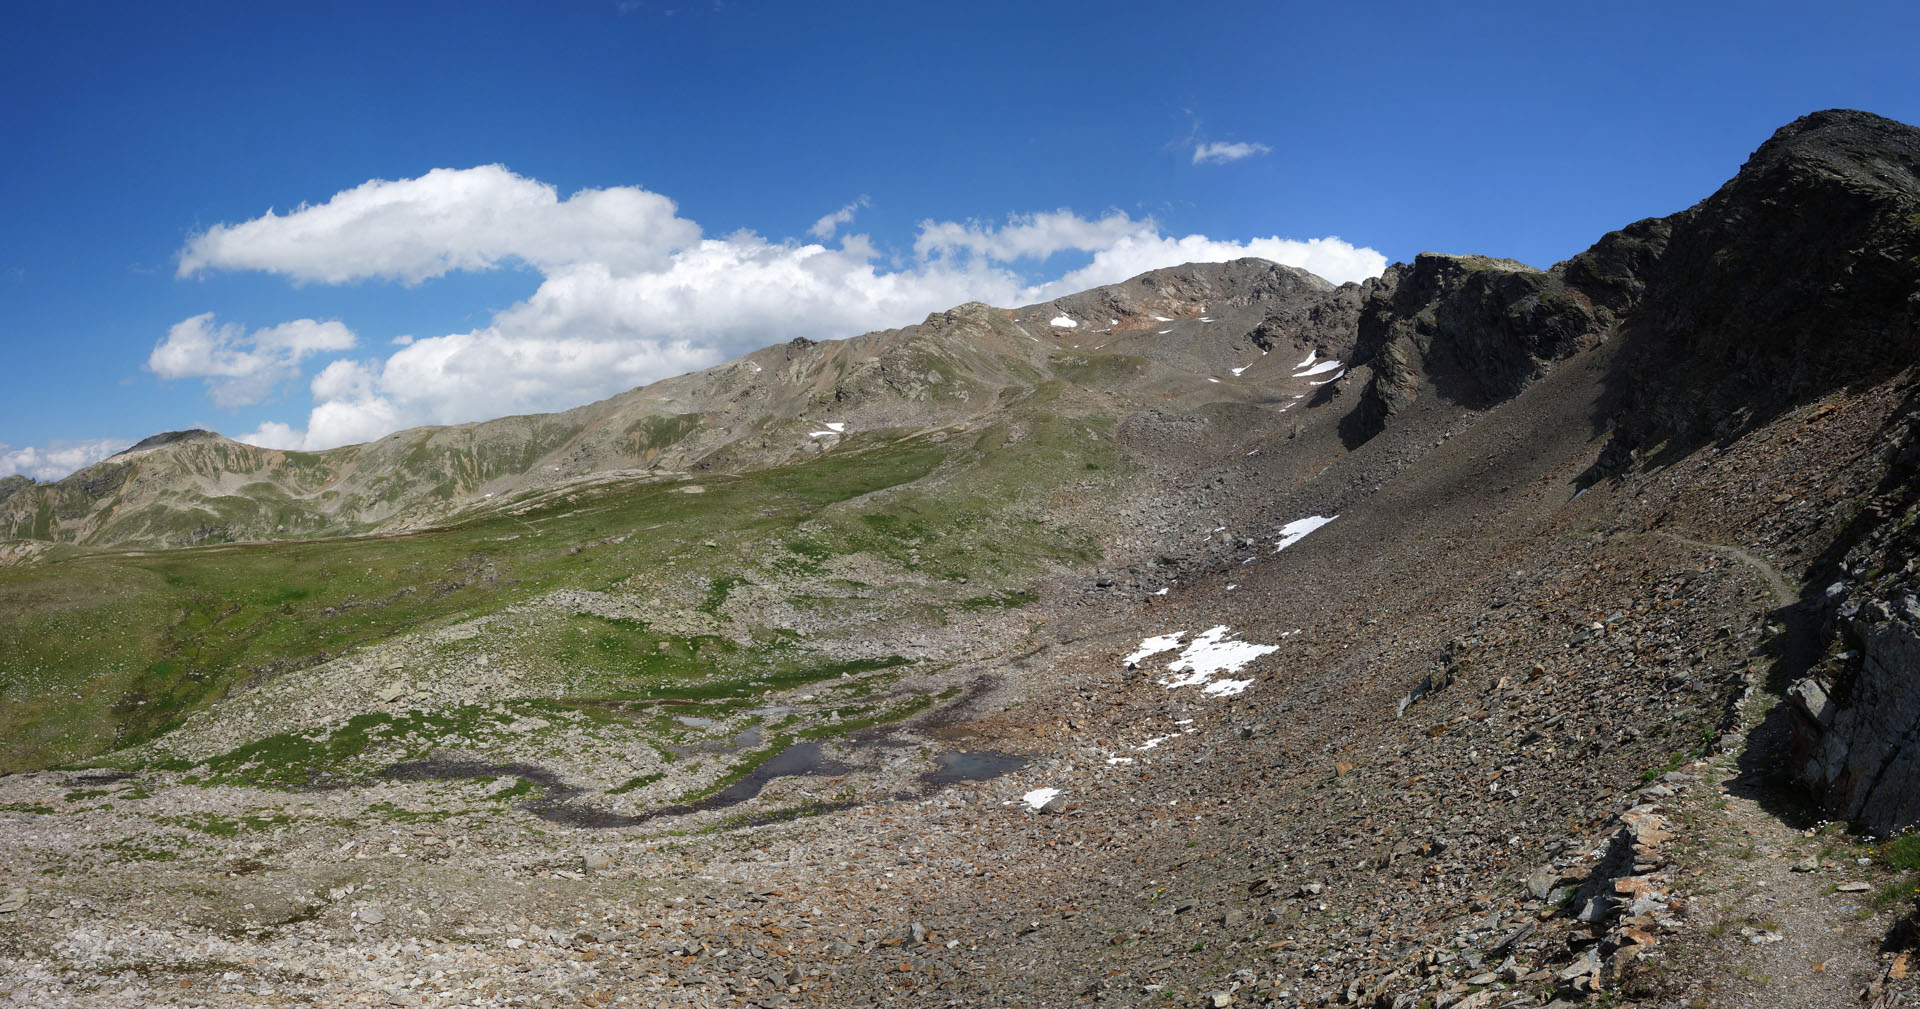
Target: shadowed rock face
(1854, 713)
(1476, 329)
(1858, 747)
(1795, 278)
(1805, 259)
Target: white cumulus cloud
(57, 458)
(1219, 153)
(241, 367)
(629, 291)
(448, 219)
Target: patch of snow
(1119, 760)
(1212, 653)
(1226, 688)
(1112, 323)
(1319, 369)
(1156, 741)
(1293, 532)
(1039, 797)
(836, 428)
(1205, 319)
(1154, 646)
(1163, 332)
(1214, 380)
(823, 434)
(1335, 378)
(1162, 592)
(1237, 371)
(1161, 318)
(1064, 322)
(1311, 354)
(1230, 588)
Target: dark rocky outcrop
(1474, 328)
(1858, 741)
(1326, 323)
(1798, 277)
(1855, 713)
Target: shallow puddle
(556, 806)
(559, 804)
(800, 759)
(564, 803)
(971, 765)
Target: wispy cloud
(630, 292)
(1026, 236)
(242, 367)
(824, 228)
(1219, 152)
(57, 458)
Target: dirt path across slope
(1782, 592)
(1770, 925)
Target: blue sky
(663, 170)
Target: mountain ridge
(951, 364)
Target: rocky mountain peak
(169, 438)
(1859, 148)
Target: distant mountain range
(770, 407)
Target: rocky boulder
(1857, 741)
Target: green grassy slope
(103, 649)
